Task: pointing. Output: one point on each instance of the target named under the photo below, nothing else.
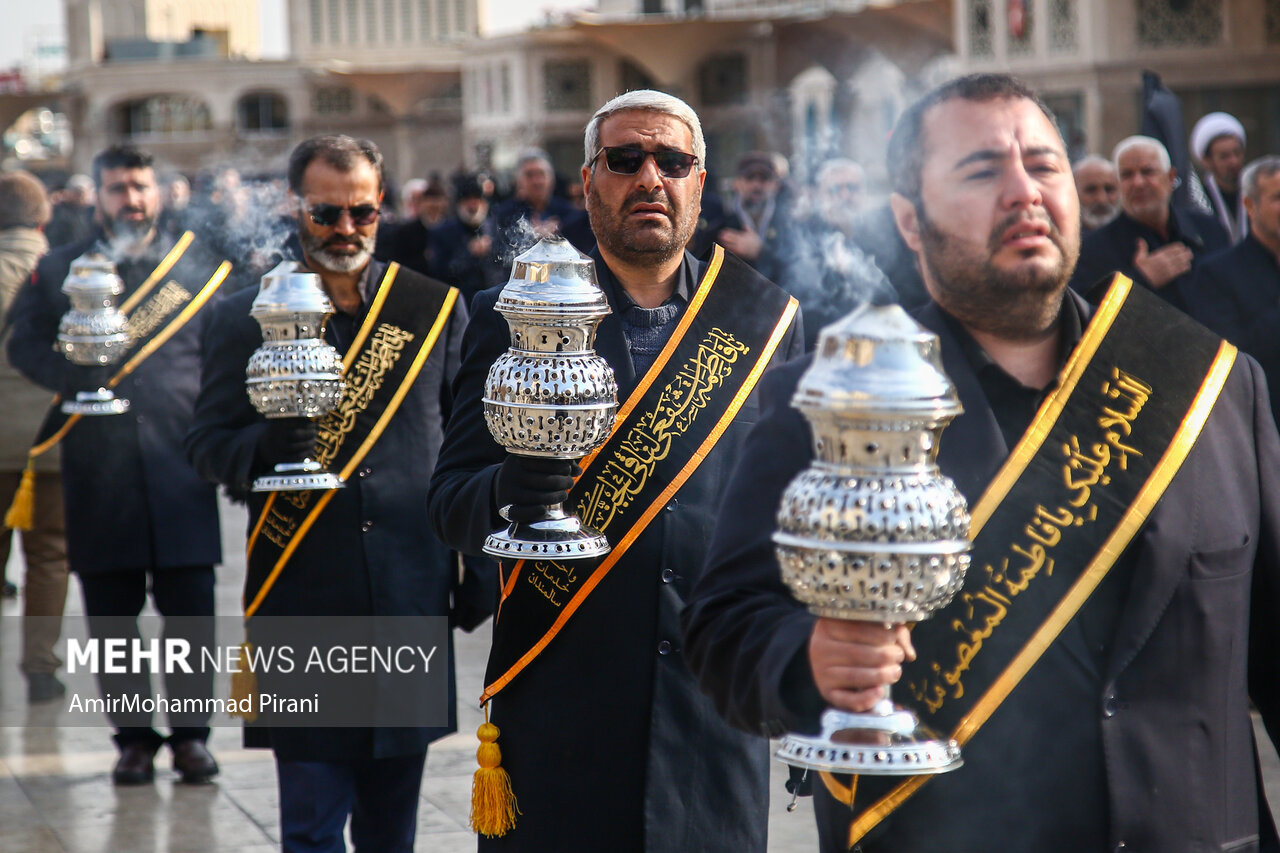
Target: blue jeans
(379, 794)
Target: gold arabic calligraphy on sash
(1083, 470)
(362, 381)
(149, 316)
(648, 441)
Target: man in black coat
(370, 552)
(461, 248)
(137, 515)
(607, 741)
(1090, 750)
(1236, 293)
(1152, 241)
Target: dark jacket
(132, 501)
(372, 551)
(1166, 719)
(608, 742)
(453, 262)
(1111, 248)
(1236, 293)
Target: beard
(1018, 304)
(322, 251)
(128, 235)
(1095, 216)
(643, 243)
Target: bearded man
(609, 745)
(138, 518)
(1118, 614)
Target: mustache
(1039, 215)
(655, 196)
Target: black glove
(526, 485)
(287, 440)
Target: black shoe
(44, 687)
(193, 761)
(136, 764)
(9, 590)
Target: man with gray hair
(1098, 186)
(609, 744)
(1152, 241)
(534, 202)
(1236, 293)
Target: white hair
(1130, 142)
(1093, 160)
(535, 155)
(652, 101)
(1263, 167)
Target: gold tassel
(493, 804)
(244, 684)
(22, 512)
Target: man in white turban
(1217, 141)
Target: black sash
(394, 341)
(664, 430)
(1068, 500)
(156, 311)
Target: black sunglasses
(327, 215)
(623, 160)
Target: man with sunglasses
(608, 743)
(370, 555)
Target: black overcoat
(608, 742)
(1171, 765)
(1236, 293)
(132, 500)
(371, 551)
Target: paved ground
(56, 795)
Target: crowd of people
(629, 701)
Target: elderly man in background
(1098, 186)
(1152, 241)
(1218, 141)
(24, 211)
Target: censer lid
(553, 277)
(878, 360)
(290, 288)
(93, 273)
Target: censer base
(564, 538)
(298, 477)
(872, 744)
(99, 402)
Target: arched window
(262, 112)
(162, 115)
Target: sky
(29, 24)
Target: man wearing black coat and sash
(364, 550)
(1119, 611)
(607, 741)
(138, 518)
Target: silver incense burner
(872, 530)
(294, 374)
(550, 395)
(93, 335)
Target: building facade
(1088, 56)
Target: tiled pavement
(56, 795)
